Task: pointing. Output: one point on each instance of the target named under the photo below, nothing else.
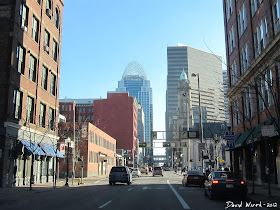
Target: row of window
(264, 98)
(33, 70)
(100, 141)
(35, 31)
(30, 111)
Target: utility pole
(74, 149)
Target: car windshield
(195, 173)
(157, 168)
(118, 169)
(225, 175)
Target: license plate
(195, 177)
(229, 185)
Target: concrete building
(209, 67)
(134, 81)
(141, 133)
(252, 45)
(117, 116)
(29, 80)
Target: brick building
(252, 44)
(117, 116)
(30, 43)
(96, 148)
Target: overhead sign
(229, 136)
(193, 134)
(230, 144)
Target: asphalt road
(146, 192)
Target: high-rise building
(252, 44)
(135, 82)
(29, 80)
(209, 68)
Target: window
(90, 157)
(56, 18)
(242, 20)
(260, 37)
(42, 115)
(17, 100)
(235, 112)
(51, 119)
(23, 16)
(46, 41)
(248, 103)
(44, 77)
(49, 8)
(32, 68)
(244, 58)
(20, 59)
(228, 8)
(35, 29)
(276, 17)
(52, 86)
(54, 50)
(29, 110)
(231, 40)
(233, 73)
(255, 4)
(265, 94)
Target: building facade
(252, 45)
(29, 89)
(135, 82)
(209, 67)
(117, 116)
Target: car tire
(153, 175)
(128, 183)
(110, 183)
(161, 175)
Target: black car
(193, 177)
(120, 174)
(225, 183)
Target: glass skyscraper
(135, 82)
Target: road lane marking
(129, 189)
(184, 204)
(105, 204)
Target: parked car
(136, 172)
(120, 174)
(144, 169)
(193, 177)
(157, 171)
(224, 183)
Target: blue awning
(32, 147)
(51, 150)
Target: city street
(145, 192)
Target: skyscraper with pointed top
(135, 82)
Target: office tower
(135, 82)
(209, 68)
(29, 81)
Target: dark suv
(120, 174)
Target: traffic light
(142, 145)
(166, 144)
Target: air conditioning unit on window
(49, 12)
(46, 48)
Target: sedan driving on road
(136, 172)
(223, 183)
(157, 171)
(120, 174)
(193, 177)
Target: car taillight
(229, 180)
(242, 182)
(215, 182)
(146, 169)
(160, 170)
(125, 174)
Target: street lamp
(200, 117)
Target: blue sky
(100, 38)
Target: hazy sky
(100, 38)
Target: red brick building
(117, 116)
(96, 148)
(29, 82)
(253, 64)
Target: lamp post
(200, 117)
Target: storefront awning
(242, 138)
(51, 150)
(32, 147)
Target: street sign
(184, 134)
(125, 153)
(82, 164)
(62, 149)
(193, 134)
(229, 135)
(268, 130)
(230, 144)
